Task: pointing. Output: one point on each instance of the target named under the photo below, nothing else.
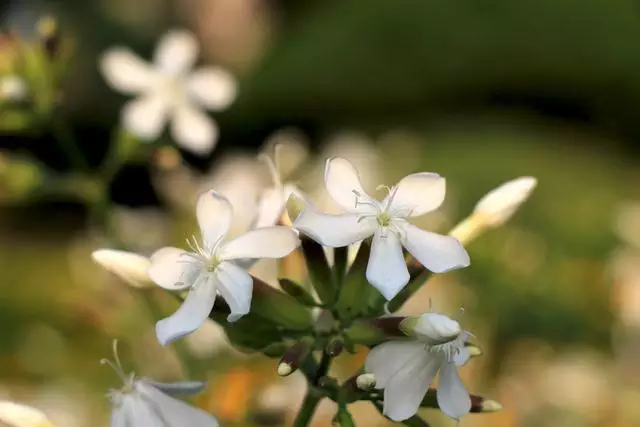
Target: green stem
(308, 408)
(68, 144)
(414, 421)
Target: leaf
(298, 292)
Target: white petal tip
(499, 205)
(284, 369)
(366, 381)
(129, 266)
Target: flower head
(169, 90)
(212, 266)
(144, 402)
(406, 369)
(386, 221)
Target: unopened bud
(129, 266)
(285, 369)
(431, 328)
(366, 382)
(499, 204)
(491, 406)
(292, 358)
(16, 415)
(474, 351)
(335, 348)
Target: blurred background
(479, 91)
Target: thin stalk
(68, 144)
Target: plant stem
(68, 144)
(308, 408)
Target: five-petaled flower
(170, 90)
(144, 402)
(386, 220)
(214, 267)
(405, 369)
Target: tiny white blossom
(498, 205)
(212, 266)
(12, 88)
(129, 266)
(386, 221)
(406, 369)
(143, 402)
(17, 415)
(169, 90)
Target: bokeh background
(478, 91)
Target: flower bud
(490, 406)
(366, 382)
(16, 415)
(292, 358)
(335, 348)
(499, 204)
(474, 351)
(129, 266)
(431, 328)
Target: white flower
(129, 266)
(12, 88)
(386, 220)
(406, 369)
(212, 267)
(143, 402)
(170, 91)
(498, 205)
(17, 415)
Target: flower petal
(126, 72)
(236, 287)
(270, 207)
(388, 358)
(173, 412)
(212, 87)
(146, 116)
(170, 269)
(436, 252)
(266, 242)
(181, 388)
(416, 194)
(461, 357)
(453, 397)
(214, 213)
(193, 312)
(334, 230)
(193, 129)
(387, 269)
(177, 52)
(344, 186)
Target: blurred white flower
(129, 266)
(406, 369)
(386, 220)
(17, 415)
(12, 88)
(143, 402)
(170, 91)
(212, 267)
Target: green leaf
(354, 294)
(320, 274)
(298, 292)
